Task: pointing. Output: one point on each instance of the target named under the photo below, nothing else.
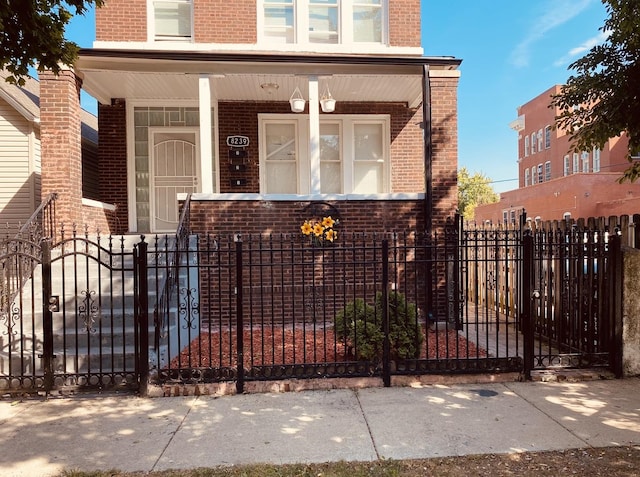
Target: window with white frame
(354, 154)
(540, 139)
(322, 21)
(533, 143)
(547, 137)
(540, 174)
(172, 20)
(526, 146)
(526, 177)
(567, 165)
(576, 163)
(533, 175)
(547, 171)
(596, 159)
(585, 161)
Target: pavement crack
(366, 421)
(173, 435)
(539, 409)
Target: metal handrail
(172, 275)
(20, 255)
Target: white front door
(174, 170)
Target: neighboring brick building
(555, 182)
(197, 96)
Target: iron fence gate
(74, 320)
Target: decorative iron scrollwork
(189, 308)
(88, 311)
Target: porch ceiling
(132, 76)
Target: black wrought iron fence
(274, 307)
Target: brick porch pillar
(61, 143)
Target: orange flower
(328, 222)
(306, 228)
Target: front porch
(223, 126)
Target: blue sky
(511, 50)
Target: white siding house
(20, 159)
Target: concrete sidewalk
(41, 438)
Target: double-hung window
(322, 21)
(596, 159)
(547, 171)
(540, 140)
(279, 24)
(547, 137)
(526, 177)
(172, 20)
(540, 174)
(585, 161)
(567, 165)
(533, 143)
(576, 163)
(354, 154)
(526, 146)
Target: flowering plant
(320, 231)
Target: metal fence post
(239, 316)
(386, 345)
(527, 299)
(47, 316)
(616, 283)
(143, 317)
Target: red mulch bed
(289, 346)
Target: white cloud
(555, 13)
(579, 51)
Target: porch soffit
(363, 79)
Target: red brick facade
(264, 217)
(122, 20)
(404, 23)
(61, 143)
(218, 21)
(444, 137)
(112, 157)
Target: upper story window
(526, 146)
(533, 175)
(567, 165)
(596, 159)
(322, 21)
(547, 171)
(585, 161)
(533, 143)
(540, 140)
(576, 163)
(172, 20)
(540, 174)
(526, 177)
(547, 137)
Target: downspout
(428, 153)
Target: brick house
(555, 182)
(198, 97)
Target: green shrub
(356, 325)
(359, 326)
(405, 333)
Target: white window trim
(526, 177)
(526, 146)
(347, 122)
(151, 25)
(301, 24)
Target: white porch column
(314, 135)
(206, 149)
